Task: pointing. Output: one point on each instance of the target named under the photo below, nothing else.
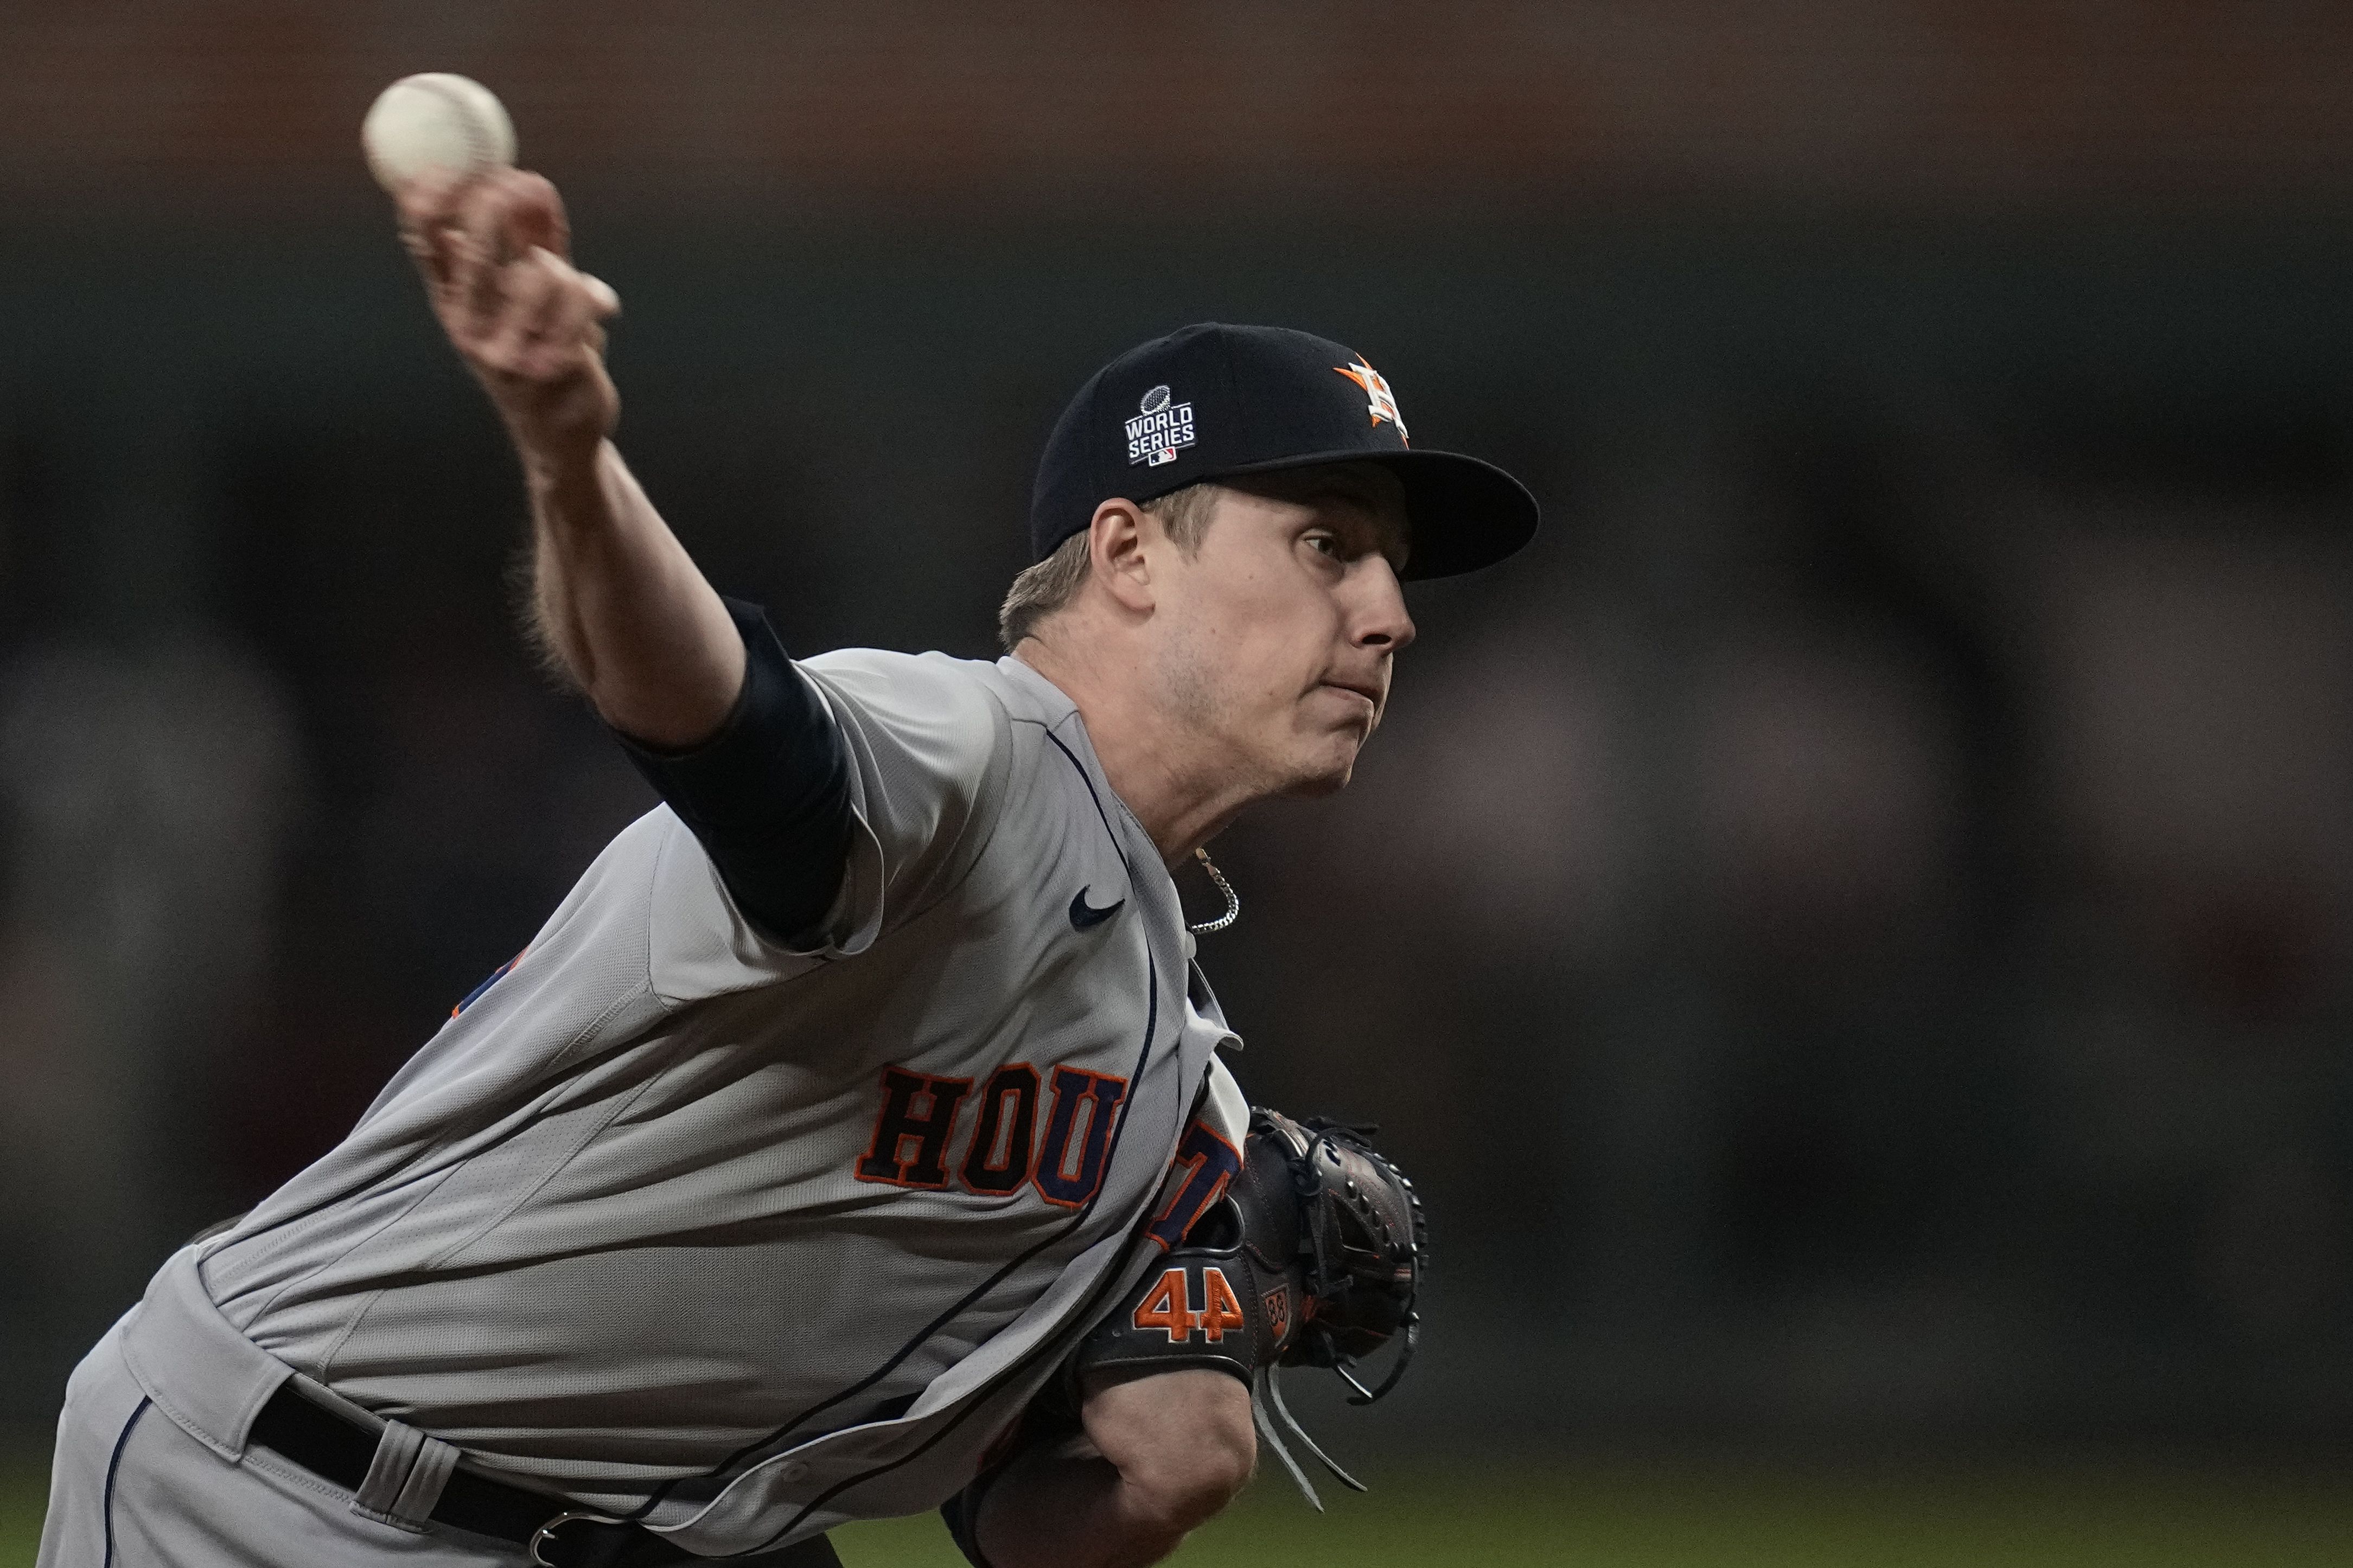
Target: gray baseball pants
(153, 1470)
(133, 1489)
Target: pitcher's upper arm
(845, 795)
(769, 796)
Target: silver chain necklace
(1233, 900)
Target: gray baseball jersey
(797, 1232)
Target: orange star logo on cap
(1379, 401)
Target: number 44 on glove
(1164, 1307)
(1313, 1257)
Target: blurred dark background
(1852, 930)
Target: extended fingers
(513, 210)
(595, 296)
(535, 213)
(482, 286)
(566, 301)
(491, 249)
(551, 312)
(427, 207)
(503, 220)
(506, 210)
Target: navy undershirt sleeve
(768, 795)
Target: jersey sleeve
(769, 796)
(1225, 1109)
(927, 749)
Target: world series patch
(1158, 428)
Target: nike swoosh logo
(1084, 918)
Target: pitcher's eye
(1323, 543)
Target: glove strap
(1218, 1309)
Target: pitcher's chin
(1316, 783)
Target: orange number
(1220, 1307)
(1164, 1307)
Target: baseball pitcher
(852, 1139)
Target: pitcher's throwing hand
(495, 252)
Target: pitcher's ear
(1115, 552)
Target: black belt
(555, 1533)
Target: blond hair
(1054, 583)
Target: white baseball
(436, 121)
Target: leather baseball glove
(1313, 1257)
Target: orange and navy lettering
(1222, 1310)
(1209, 1163)
(916, 1129)
(1069, 1177)
(1169, 1307)
(1004, 1142)
(913, 1129)
(1164, 1307)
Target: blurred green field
(1511, 1515)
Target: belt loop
(404, 1478)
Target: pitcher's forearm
(614, 594)
(1065, 1509)
(1162, 1453)
(624, 606)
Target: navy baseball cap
(1214, 402)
